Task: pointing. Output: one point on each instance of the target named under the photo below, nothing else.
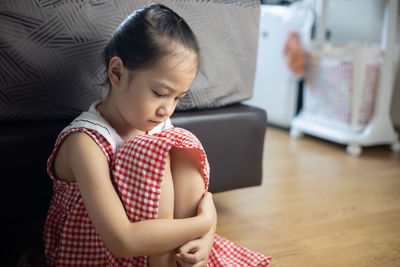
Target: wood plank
(317, 205)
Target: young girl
(129, 188)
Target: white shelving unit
(379, 129)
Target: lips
(155, 122)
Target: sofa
(232, 136)
(31, 115)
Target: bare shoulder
(75, 147)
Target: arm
(90, 170)
(195, 253)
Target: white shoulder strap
(92, 120)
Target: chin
(148, 128)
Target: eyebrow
(168, 87)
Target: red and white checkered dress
(137, 170)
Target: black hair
(144, 37)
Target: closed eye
(157, 94)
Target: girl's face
(148, 97)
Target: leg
(188, 190)
(187, 181)
(165, 211)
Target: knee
(184, 159)
(185, 169)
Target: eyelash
(158, 95)
(161, 96)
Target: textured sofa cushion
(51, 53)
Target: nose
(166, 109)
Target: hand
(194, 253)
(206, 208)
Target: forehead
(179, 58)
(178, 71)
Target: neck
(112, 115)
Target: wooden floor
(318, 206)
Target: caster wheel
(396, 147)
(354, 150)
(295, 133)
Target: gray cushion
(51, 53)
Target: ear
(115, 71)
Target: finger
(207, 194)
(189, 247)
(188, 259)
(179, 259)
(182, 263)
(191, 258)
(201, 263)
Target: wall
(361, 20)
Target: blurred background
(351, 79)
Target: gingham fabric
(137, 170)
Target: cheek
(143, 104)
(128, 105)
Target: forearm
(211, 233)
(197, 251)
(159, 236)
(209, 236)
